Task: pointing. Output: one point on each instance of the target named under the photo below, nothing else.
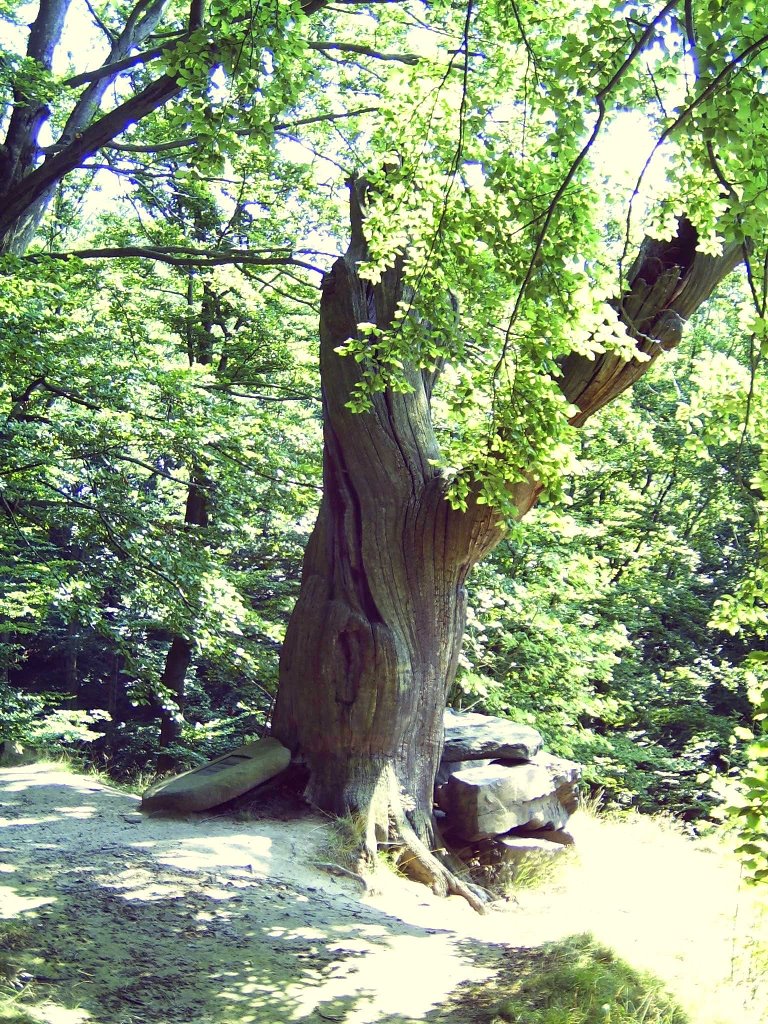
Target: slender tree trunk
(173, 680)
(199, 343)
(179, 656)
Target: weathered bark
(667, 283)
(372, 646)
(373, 643)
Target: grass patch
(12, 1014)
(536, 870)
(580, 981)
(573, 981)
(345, 839)
(504, 872)
(15, 939)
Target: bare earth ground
(207, 920)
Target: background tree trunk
(197, 513)
(173, 679)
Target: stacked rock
(500, 792)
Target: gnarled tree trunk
(373, 643)
(372, 646)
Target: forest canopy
(501, 214)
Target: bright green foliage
(592, 622)
(486, 184)
(749, 802)
(128, 387)
(107, 419)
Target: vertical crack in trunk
(373, 643)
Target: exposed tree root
(421, 856)
(416, 861)
(375, 812)
(340, 872)
(373, 818)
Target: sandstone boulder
(13, 753)
(449, 768)
(470, 736)
(220, 780)
(492, 800)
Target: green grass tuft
(579, 981)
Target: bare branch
(194, 140)
(283, 125)
(182, 256)
(70, 396)
(366, 51)
(160, 147)
(99, 23)
(109, 70)
(155, 470)
(280, 291)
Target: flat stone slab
(449, 768)
(470, 737)
(220, 780)
(550, 835)
(483, 802)
(517, 848)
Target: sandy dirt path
(149, 920)
(207, 920)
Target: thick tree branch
(71, 396)
(193, 140)
(28, 115)
(36, 185)
(668, 282)
(26, 193)
(110, 70)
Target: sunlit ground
(110, 918)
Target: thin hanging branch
(365, 51)
(600, 101)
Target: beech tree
(497, 290)
(373, 644)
